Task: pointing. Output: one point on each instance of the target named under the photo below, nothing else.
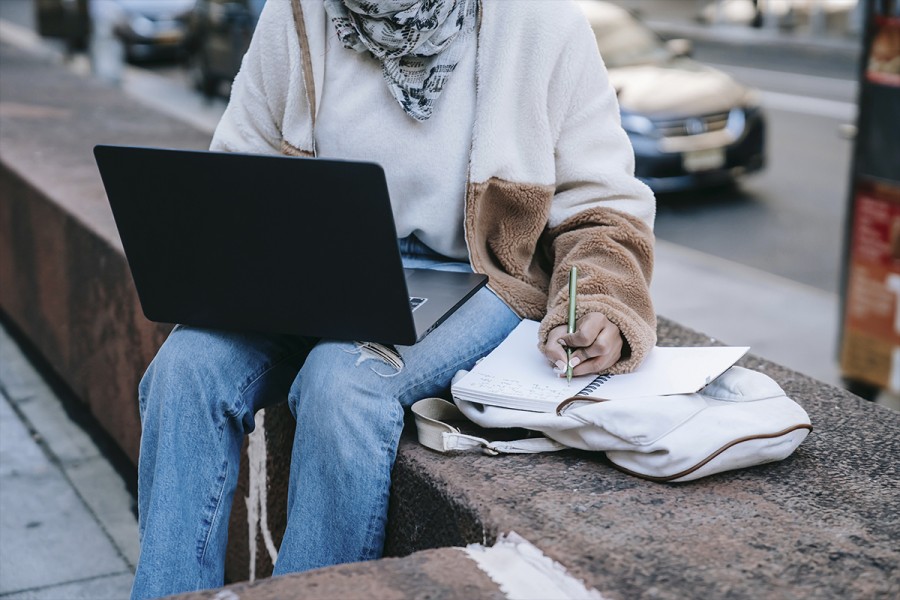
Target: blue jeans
(198, 399)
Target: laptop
(278, 244)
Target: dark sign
(870, 349)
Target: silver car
(151, 28)
(691, 125)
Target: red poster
(883, 64)
(871, 350)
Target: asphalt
(67, 523)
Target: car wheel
(131, 55)
(732, 186)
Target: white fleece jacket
(551, 180)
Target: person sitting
(500, 137)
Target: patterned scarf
(419, 43)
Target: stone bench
(824, 523)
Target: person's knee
(188, 374)
(346, 392)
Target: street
(789, 219)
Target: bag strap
(306, 64)
(431, 416)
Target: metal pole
(770, 16)
(106, 50)
(818, 21)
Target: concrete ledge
(823, 523)
(445, 574)
(65, 281)
(819, 524)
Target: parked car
(67, 20)
(691, 125)
(147, 28)
(152, 29)
(220, 33)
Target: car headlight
(752, 100)
(637, 124)
(142, 26)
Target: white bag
(741, 419)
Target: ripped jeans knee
(383, 355)
(347, 373)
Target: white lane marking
(798, 103)
(793, 78)
(808, 105)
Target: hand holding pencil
(583, 346)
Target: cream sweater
(427, 164)
(550, 170)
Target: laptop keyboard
(415, 302)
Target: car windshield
(624, 41)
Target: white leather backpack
(741, 419)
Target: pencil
(573, 282)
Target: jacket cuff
(614, 255)
(638, 335)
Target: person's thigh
(349, 401)
(405, 374)
(198, 399)
(235, 372)
(467, 335)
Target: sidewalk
(67, 529)
(836, 33)
(67, 526)
(835, 42)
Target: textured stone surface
(822, 524)
(446, 574)
(65, 281)
(279, 430)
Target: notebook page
(517, 374)
(667, 370)
(516, 369)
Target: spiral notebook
(517, 375)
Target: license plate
(165, 38)
(703, 160)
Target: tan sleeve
(613, 252)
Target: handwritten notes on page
(517, 375)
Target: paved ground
(67, 529)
